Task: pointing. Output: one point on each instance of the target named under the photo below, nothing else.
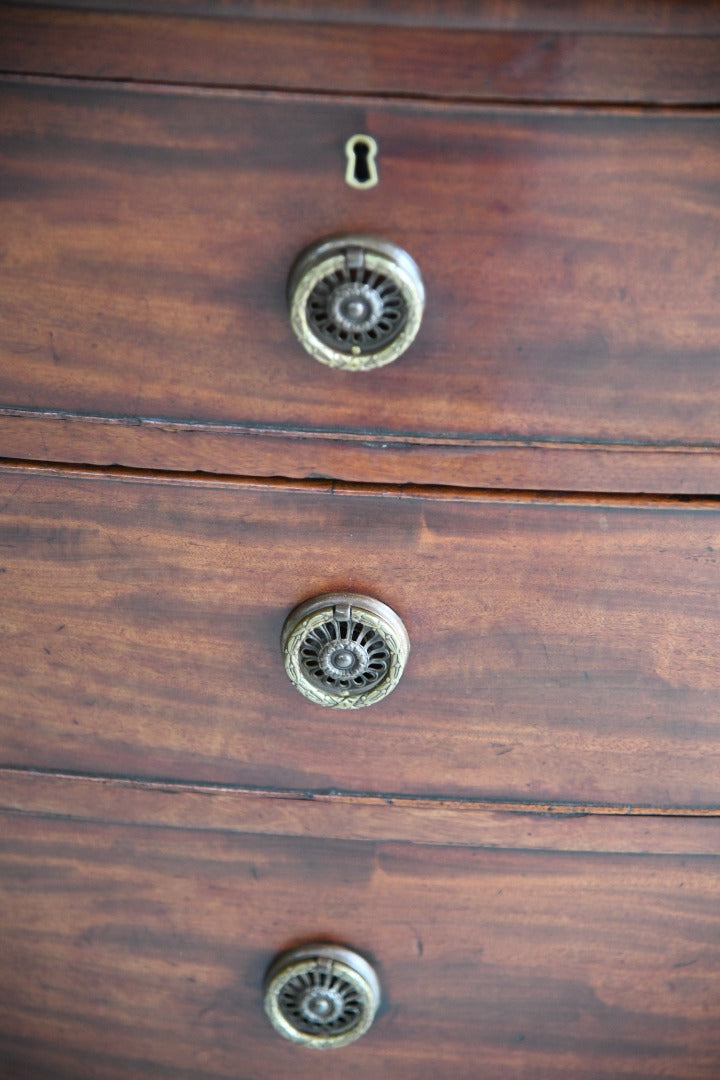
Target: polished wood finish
(254, 450)
(143, 950)
(526, 826)
(570, 270)
(682, 17)
(429, 58)
(561, 649)
(524, 837)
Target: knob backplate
(343, 650)
(321, 995)
(356, 301)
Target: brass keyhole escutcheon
(361, 169)
(356, 302)
(344, 651)
(320, 995)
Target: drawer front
(561, 650)
(138, 952)
(568, 257)
(520, 51)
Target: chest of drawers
(523, 837)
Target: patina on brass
(344, 651)
(321, 995)
(361, 157)
(356, 302)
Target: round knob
(344, 651)
(321, 995)
(356, 302)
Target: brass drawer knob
(343, 650)
(356, 302)
(321, 995)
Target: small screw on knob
(356, 310)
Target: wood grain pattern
(525, 836)
(693, 17)
(525, 826)
(562, 650)
(332, 56)
(35, 435)
(137, 952)
(570, 268)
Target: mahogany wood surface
(524, 837)
(138, 952)
(684, 17)
(569, 262)
(254, 450)
(440, 60)
(562, 650)
(526, 826)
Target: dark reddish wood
(700, 17)
(569, 263)
(138, 953)
(454, 822)
(255, 451)
(538, 65)
(562, 650)
(524, 837)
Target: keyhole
(361, 171)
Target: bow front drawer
(580, 964)
(571, 330)
(559, 650)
